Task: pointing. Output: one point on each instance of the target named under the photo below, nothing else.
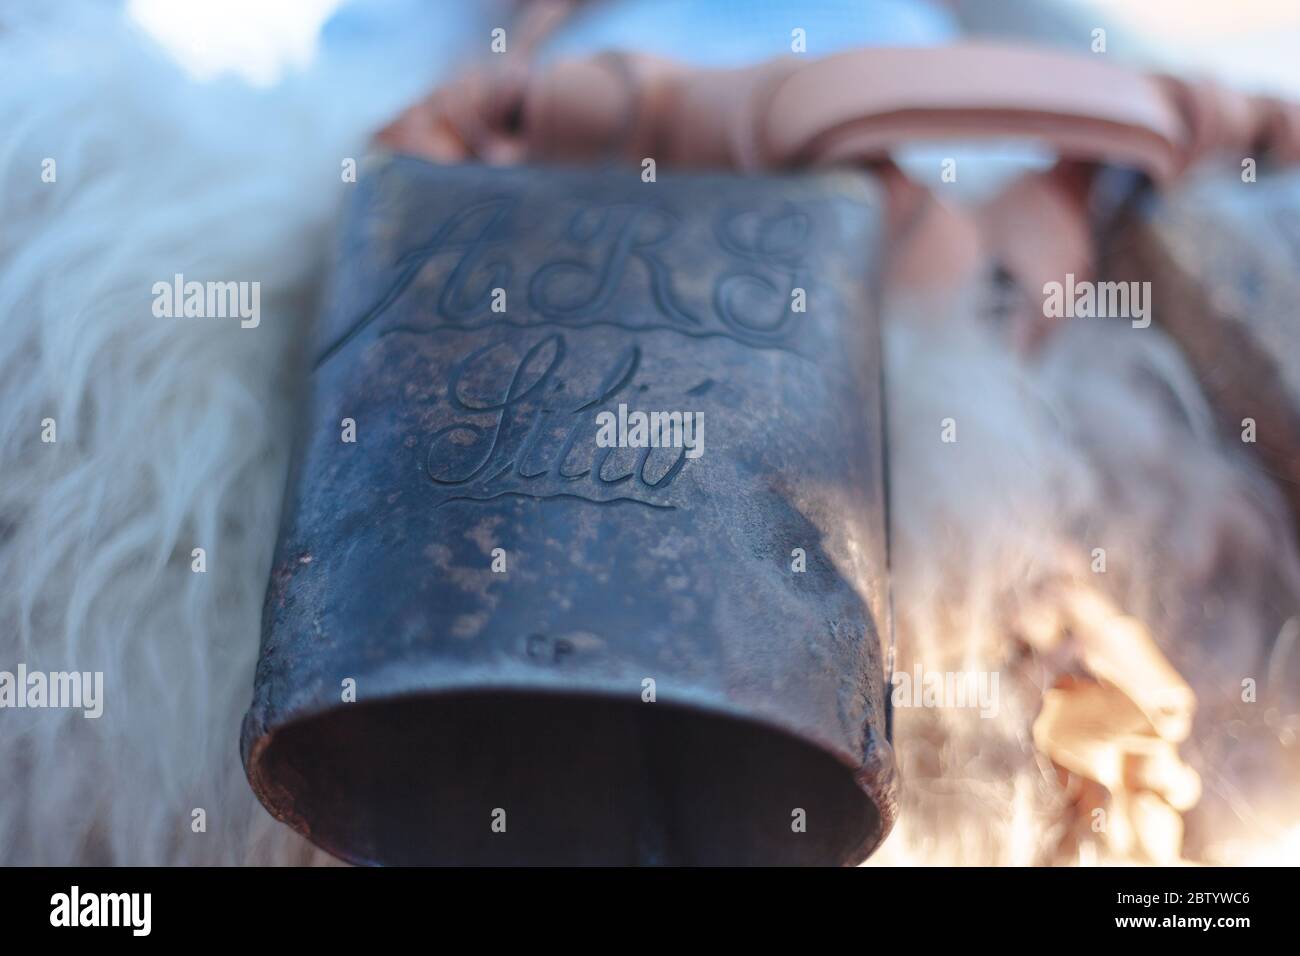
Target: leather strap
(868, 104)
(857, 107)
(854, 109)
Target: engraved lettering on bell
(524, 419)
(627, 557)
(601, 250)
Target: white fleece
(171, 433)
(1104, 440)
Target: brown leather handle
(855, 108)
(852, 107)
(868, 102)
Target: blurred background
(1251, 43)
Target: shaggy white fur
(1102, 441)
(173, 434)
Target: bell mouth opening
(527, 778)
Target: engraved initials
(638, 232)
(508, 453)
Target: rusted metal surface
(648, 675)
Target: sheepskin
(1101, 440)
(170, 433)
